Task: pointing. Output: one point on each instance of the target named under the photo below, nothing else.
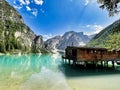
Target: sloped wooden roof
(86, 48)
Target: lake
(47, 72)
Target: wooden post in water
(65, 61)
(69, 61)
(101, 63)
(96, 64)
(85, 64)
(73, 62)
(107, 63)
(113, 65)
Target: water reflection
(46, 80)
(46, 72)
(71, 71)
(17, 70)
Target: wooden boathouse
(84, 55)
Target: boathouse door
(74, 53)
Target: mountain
(108, 37)
(92, 36)
(52, 43)
(14, 34)
(72, 38)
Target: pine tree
(112, 6)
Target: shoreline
(2, 53)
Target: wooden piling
(69, 61)
(113, 65)
(90, 54)
(85, 64)
(107, 63)
(101, 63)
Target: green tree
(113, 43)
(2, 47)
(112, 6)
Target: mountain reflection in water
(47, 72)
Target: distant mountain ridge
(108, 37)
(52, 43)
(70, 38)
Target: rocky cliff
(68, 39)
(72, 38)
(108, 37)
(51, 44)
(14, 34)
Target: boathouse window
(94, 51)
(91, 51)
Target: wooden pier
(84, 55)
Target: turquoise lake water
(47, 72)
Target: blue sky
(55, 17)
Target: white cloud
(89, 1)
(17, 7)
(47, 36)
(22, 2)
(86, 2)
(14, 1)
(27, 2)
(28, 8)
(87, 25)
(94, 29)
(18, 4)
(35, 12)
(97, 28)
(38, 2)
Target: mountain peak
(72, 38)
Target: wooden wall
(83, 54)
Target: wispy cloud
(27, 2)
(19, 4)
(38, 2)
(47, 36)
(22, 2)
(17, 7)
(97, 28)
(35, 12)
(42, 10)
(89, 1)
(94, 29)
(86, 2)
(28, 8)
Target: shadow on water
(80, 71)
